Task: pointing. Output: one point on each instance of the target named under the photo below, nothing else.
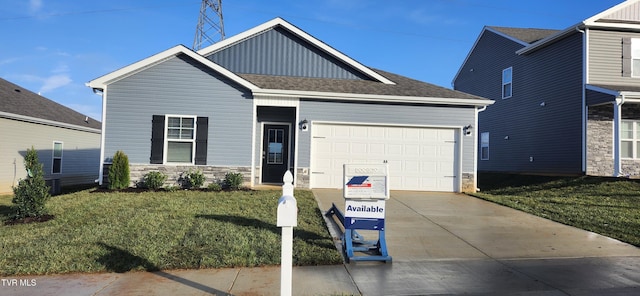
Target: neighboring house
(566, 101)
(275, 98)
(68, 143)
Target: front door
(275, 152)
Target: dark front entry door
(275, 152)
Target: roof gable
(623, 15)
(302, 39)
(103, 81)
(279, 52)
(18, 102)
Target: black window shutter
(202, 133)
(157, 139)
(626, 57)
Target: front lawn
(608, 206)
(116, 231)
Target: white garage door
(419, 158)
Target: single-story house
(67, 142)
(275, 98)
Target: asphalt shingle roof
(528, 35)
(404, 86)
(20, 101)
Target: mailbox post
(287, 219)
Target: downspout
(102, 94)
(475, 144)
(617, 122)
(585, 69)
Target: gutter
(371, 98)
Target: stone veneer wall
(212, 174)
(600, 141)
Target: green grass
(608, 206)
(119, 232)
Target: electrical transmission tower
(210, 27)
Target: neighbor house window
(635, 57)
(56, 167)
(507, 85)
(484, 146)
(181, 138)
(629, 139)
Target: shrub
(172, 188)
(32, 193)
(214, 187)
(233, 181)
(193, 179)
(119, 171)
(154, 180)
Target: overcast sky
(55, 47)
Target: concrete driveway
(447, 244)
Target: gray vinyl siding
(520, 128)
(278, 52)
(179, 86)
(80, 155)
(605, 58)
(432, 116)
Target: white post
(287, 219)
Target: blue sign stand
(353, 242)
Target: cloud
(54, 82)
(35, 5)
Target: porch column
(617, 123)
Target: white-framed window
(507, 83)
(56, 162)
(630, 139)
(635, 57)
(484, 146)
(180, 140)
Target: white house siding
(80, 156)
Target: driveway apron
(448, 243)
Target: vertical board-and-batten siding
(522, 128)
(380, 114)
(606, 58)
(278, 52)
(179, 86)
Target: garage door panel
(418, 158)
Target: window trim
(635, 140)
(510, 83)
(483, 145)
(53, 157)
(635, 44)
(167, 139)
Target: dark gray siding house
(565, 100)
(274, 99)
(67, 142)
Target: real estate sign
(366, 181)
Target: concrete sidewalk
(441, 244)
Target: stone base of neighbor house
(600, 161)
(468, 183)
(212, 174)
